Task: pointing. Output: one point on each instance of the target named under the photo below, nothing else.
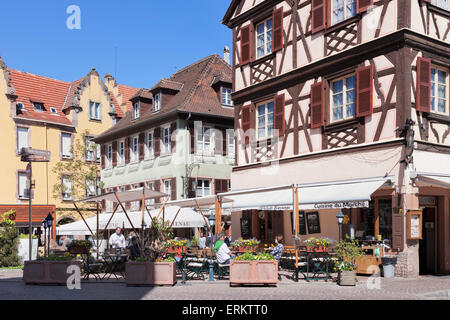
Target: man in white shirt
(117, 240)
(222, 251)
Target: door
(427, 246)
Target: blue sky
(153, 38)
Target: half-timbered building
(336, 95)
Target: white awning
(204, 202)
(186, 218)
(126, 196)
(330, 195)
(433, 180)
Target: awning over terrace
(431, 180)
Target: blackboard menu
(245, 228)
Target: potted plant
(176, 246)
(318, 245)
(240, 245)
(347, 251)
(48, 270)
(249, 268)
(79, 247)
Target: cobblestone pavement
(425, 287)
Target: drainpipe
(186, 181)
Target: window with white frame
(121, 152)
(22, 138)
(66, 145)
(204, 140)
(135, 205)
(167, 189)
(157, 102)
(203, 188)
(22, 185)
(343, 10)
(444, 4)
(225, 94)
(136, 110)
(166, 140)
(149, 151)
(109, 155)
(90, 149)
(264, 121)
(150, 186)
(90, 188)
(343, 98)
(230, 143)
(135, 149)
(264, 38)
(98, 152)
(439, 90)
(94, 111)
(67, 188)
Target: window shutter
(277, 19)
(141, 146)
(192, 135)
(319, 14)
(423, 85)
(246, 45)
(217, 186)
(218, 141)
(114, 153)
(173, 188)
(190, 190)
(157, 187)
(317, 105)
(279, 114)
(245, 121)
(103, 158)
(173, 137)
(157, 142)
(364, 91)
(397, 231)
(224, 142)
(127, 150)
(363, 5)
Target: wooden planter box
(150, 273)
(317, 249)
(47, 272)
(347, 278)
(253, 272)
(177, 250)
(79, 250)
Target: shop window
(366, 226)
(385, 218)
(302, 224)
(313, 222)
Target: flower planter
(47, 272)
(253, 272)
(177, 250)
(242, 249)
(317, 249)
(150, 273)
(79, 250)
(347, 278)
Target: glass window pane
(270, 119)
(269, 24)
(261, 132)
(433, 89)
(261, 109)
(337, 86)
(441, 105)
(351, 110)
(351, 96)
(433, 74)
(433, 103)
(441, 76)
(338, 100)
(337, 113)
(260, 41)
(270, 107)
(350, 82)
(441, 91)
(260, 28)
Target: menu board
(414, 224)
(245, 228)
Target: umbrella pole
(162, 207)
(106, 227)
(98, 246)
(296, 219)
(81, 215)
(203, 216)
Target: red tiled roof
(33, 88)
(119, 111)
(168, 84)
(127, 93)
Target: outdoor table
(318, 264)
(287, 261)
(114, 263)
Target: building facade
(48, 114)
(332, 92)
(176, 138)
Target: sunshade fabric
(126, 196)
(204, 202)
(433, 180)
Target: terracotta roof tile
(127, 92)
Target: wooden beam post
(81, 215)
(175, 218)
(125, 211)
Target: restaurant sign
(341, 205)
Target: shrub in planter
(254, 269)
(79, 247)
(347, 252)
(9, 241)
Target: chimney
(226, 54)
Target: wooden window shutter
(246, 40)
(319, 15)
(277, 19)
(190, 190)
(364, 91)
(103, 156)
(157, 141)
(217, 186)
(363, 5)
(114, 153)
(279, 114)
(219, 141)
(173, 188)
(141, 146)
(397, 231)
(317, 105)
(192, 136)
(423, 85)
(246, 121)
(224, 142)
(173, 137)
(127, 150)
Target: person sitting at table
(202, 240)
(131, 235)
(222, 250)
(117, 240)
(278, 250)
(135, 250)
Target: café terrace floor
(421, 288)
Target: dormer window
(157, 102)
(225, 96)
(53, 110)
(38, 107)
(20, 106)
(136, 111)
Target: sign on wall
(414, 224)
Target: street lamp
(211, 220)
(44, 225)
(49, 220)
(340, 219)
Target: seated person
(222, 250)
(135, 250)
(278, 250)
